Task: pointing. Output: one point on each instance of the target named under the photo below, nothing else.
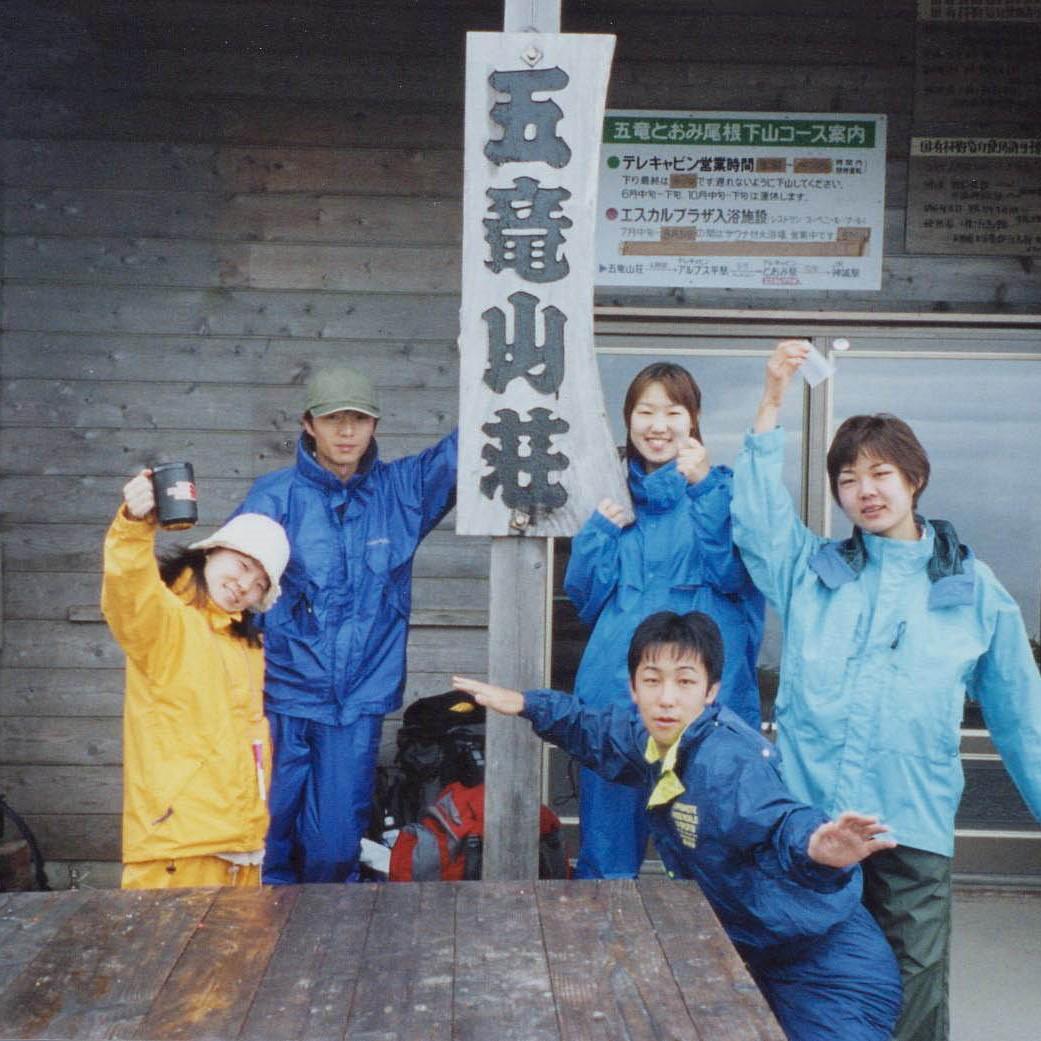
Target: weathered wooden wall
(204, 199)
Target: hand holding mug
(139, 496)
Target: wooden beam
(519, 583)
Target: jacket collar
(659, 490)
(669, 786)
(311, 470)
(949, 565)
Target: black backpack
(441, 740)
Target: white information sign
(741, 200)
(536, 454)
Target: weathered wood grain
(340, 219)
(406, 991)
(610, 975)
(104, 967)
(28, 921)
(309, 985)
(231, 312)
(76, 836)
(38, 789)
(234, 121)
(722, 1000)
(278, 28)
(117, 454)
(223, 359)
(181, 167)
(56, 740)
(211, 988)
(238, 265)
(501, 975)
(199, 406)
(61, 692)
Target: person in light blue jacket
(335, 647)
(885, 634)
(676, 554)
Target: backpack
(441, 740)
(446, 844)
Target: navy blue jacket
(735, 829)
(334, 642)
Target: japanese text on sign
(730, 200)
(526, 318)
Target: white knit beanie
(258, 537)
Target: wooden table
(468, 961)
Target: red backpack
(445, 844)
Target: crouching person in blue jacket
(335, 648)
(780, 875)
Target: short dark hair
(881, 436)
(680, 387)
(694, 633)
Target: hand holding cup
(139, 496)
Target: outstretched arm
(782, 365)
(848, 840)
(610, 741)
(498, 699)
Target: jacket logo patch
(378, 542)
(685, 817)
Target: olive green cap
(341, 389)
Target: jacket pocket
(162, 807)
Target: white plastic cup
(816, 368)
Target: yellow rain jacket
(193, 710)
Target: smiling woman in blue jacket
(885, 634)
(676, 554)
(335, 647)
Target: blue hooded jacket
(334, 642)
(734, 829)
(677, 556)
(883, 640)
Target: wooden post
(535, 452)
(519, 583)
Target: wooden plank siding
(201, 201)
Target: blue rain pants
(614, 829)
(844, 986)
(321, 798)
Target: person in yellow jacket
(196, 748)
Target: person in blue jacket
(780, 876)
(676, 554)
(885, 634)
(335, 646)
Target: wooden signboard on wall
(536, 453)
(974, 196)
(978, 64)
